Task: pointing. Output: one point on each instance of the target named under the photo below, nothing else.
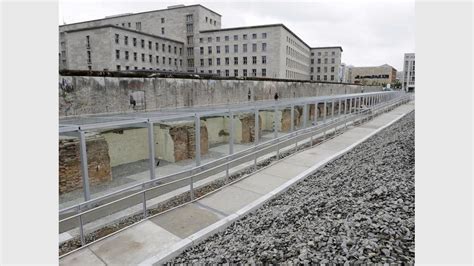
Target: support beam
(84, 164)
(305, 114)
(197, 135)
(292, 118)
(151, 150)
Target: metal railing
(356, 108)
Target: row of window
(211, 21)
(333, 60)
(318, 69)
(143, 58)
(295, 64)
(325, 53)
(143, 44)
(138, 25)
(325, 78)
(236, 37)
(296, 44)
(236, 61)
(119, 67)
(295, 75)
(236, 48)
(245, 73)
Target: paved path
(161, 234)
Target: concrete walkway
(165, 235)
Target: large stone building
(190, 39)
(373, 75)
(408, 82)
(325, 63)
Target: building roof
(132, 14)
(125, 29)
(256, 27)
(327, 47)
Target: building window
(190, 62)
(135, 42)
(149, 45)
(325, 69)
(226, 48)
(189, 28)
(135, 56)
(210, 20)
(157, 59)
(116, 38)
(125, 40)
(254, 60)
(236, 37)
(126, 55)
(136, 68)
(254, 36)
(209, 39)
(180, 51)
(202, 62)
(218, 72)
(226, 72)
(163, 48)
(189, 18)
(325, 77)
(226, 38)
(201, 40)
(214, 23)
(218, 49)
(209, 61)
(236, 60)
(162, 30)
(319, 53)
(201, 50)
(333, 53)
(118, 67)
(143, 43)
(218, 61)
(169, 61)
(333, 60)
(264, 47)
(319, 60)
(150, 58)
(210, 71)
(325, 60)
(318, 69)
(162, 20)
(169, 48)
(332, 69)
(218, 39)
(157, 46)
(236, 72)
(209, 50)
(264, 72)
(264, 35)
(176, 62)
(190, 40)
(236, 48)
(129, 24)
(207, 19)
(227, 61)
(89, 59)
(174, 50)
(244, 36)
(264, 59)
(190, 51)
(332, 77)
(117, 54)
(244, 60)
(89, 67)
(138, 26)
(311, 70)
(244, 47)
(245, 72)
(254, 72)
(143, 57)
(254, 47)
(180, 62)
(312, 61)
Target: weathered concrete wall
(82, 95)
(70, 176)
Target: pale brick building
(190, 39)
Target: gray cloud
(370, 32)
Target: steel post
(81, 231)
(256, 134)
(197, 136)
(292, 118)
(144, 204)
(151, 150)
(84, 165)
(305, 114)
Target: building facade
(325, 63)
(408, 79)
(374, 75)
(190, 39)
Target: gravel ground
(358, 209)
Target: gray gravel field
(358, 209)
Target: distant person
(133, 103)
(276, 96)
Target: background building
(374, 75)
(190, 38)
(325, 63)
(408, 83)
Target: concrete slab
(284, 169)
(260, 183)
(132, 245)
(308, 159)
(186, 220)
(230, 199)
(81, 257)
(337, 144)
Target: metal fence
(351, 109)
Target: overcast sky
(371, 33)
